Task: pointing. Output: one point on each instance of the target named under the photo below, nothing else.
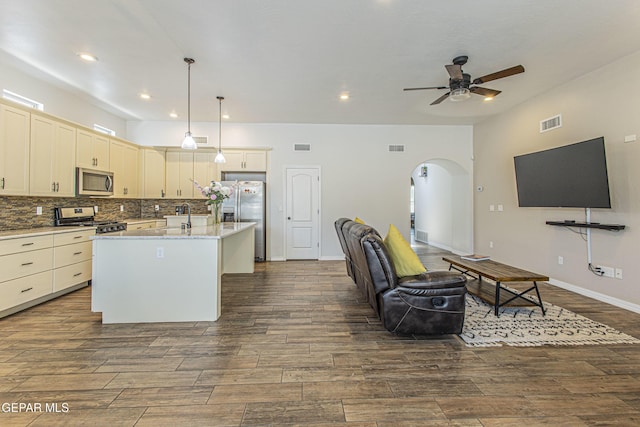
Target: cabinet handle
(78, 237)
(26, 290)
(77, 274)
(57, 187)
(162, 193)
(27, 263)
(3, 183)
(77, 253)
(53, 186)
(27, 244)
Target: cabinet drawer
(141, 225)
(71, 254)
(70, 275)
(24, 289)
(74, 237)
(24, 244)
(25, 263)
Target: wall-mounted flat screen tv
(573, 176)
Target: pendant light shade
(189, 143)
(220, 157)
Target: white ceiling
(287, 61)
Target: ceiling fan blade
(490, 93)
(442, 98)
(499, 74)
(455, 71)
(423, 88)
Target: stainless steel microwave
(90, 182)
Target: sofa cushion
(405, 260)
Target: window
(23, 100)
(103, 129)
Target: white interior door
(303, 213)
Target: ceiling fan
(460, 83)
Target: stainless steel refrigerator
(247, 203)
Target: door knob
(289, 218)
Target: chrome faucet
(186, 225)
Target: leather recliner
(431, 303)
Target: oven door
(91, 182)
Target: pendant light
(189, 143)
(220, 157)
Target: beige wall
(602, 103)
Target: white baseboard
(277, 258)
(331, 258)
(596, 295)
(447, 248)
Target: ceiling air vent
(551, 123)
(301, 147)
(201, 140)
(396, 148)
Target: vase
(216, 213)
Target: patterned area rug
(527, 327)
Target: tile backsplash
(19, 212)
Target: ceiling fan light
(460, 94)
(189, 143)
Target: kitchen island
(167, 274)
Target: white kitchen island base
(167, 275)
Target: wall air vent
(201, 141)
(551, 123)
(422, 236)
(396, 148)
(301, 147)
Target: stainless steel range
(85, 217)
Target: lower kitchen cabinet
(36, 268)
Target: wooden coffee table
(497, 294)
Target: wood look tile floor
(297, 345)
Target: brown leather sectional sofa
(431, 303)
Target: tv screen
(573, 176)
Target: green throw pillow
(404, 258)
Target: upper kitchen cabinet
(14, 150)
(152, 164)
(244, 160)
(52, 164)
(205, 169)
(123, 159)
(92, 150)
(179, 173)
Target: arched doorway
(443, 205)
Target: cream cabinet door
(245, 160)
(14, 150)
(152, 174)
(130, 164)
(92, 150)
(64, 160)
(123, 159)
(179, 172)
(52, 163)
(204, 170)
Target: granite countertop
(209, 232)
(139, 220)
(40, 231)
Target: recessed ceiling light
(173, 115)
(225, 116)
(488, 98)
(344, 96)
(87, 57)
(145, 96)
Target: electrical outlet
(560, 260)
(157, 208)
(160, 252)
(618, 273)
(121, 208)
(38, 210)
(606, 271)
(492, 208)
(500, 208)
(491, 244)
(95, 209)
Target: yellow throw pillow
(358, 220)
(404, 258)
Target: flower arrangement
(215, 193)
